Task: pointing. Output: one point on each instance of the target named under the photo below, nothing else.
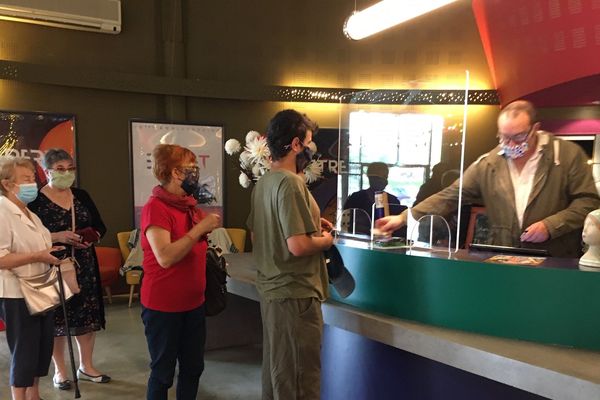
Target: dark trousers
(30, 340)
(175, 337)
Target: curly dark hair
(283, 128)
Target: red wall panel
(533, 45)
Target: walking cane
(61, 293)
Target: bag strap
(21, 278)
(73, 223)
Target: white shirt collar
(11, 207)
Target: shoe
(96, 379)
(61, 385)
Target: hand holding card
(88, 235)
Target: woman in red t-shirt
(172, 294)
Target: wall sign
(205, 141)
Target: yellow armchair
(134, 277)
(238, 238)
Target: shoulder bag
(68, 270)
(216, 282)
(41, 292)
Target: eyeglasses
(518, 138)
(192, 168)
(64, 170)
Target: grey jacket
(562, 195)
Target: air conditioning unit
(88, 15)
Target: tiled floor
(121, 352)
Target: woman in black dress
(85, 310)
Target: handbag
(216, 283)
(41, 292)
(69, 274)
(68, 270)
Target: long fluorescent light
(388, 13)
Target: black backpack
(216, 283)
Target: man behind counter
(537, 189)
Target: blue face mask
(27, 192)
(517, 151)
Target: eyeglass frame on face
(63, 170)
(519, 138)
(184, 168)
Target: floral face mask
(517, 151)
(62, 179)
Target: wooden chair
(109, 262)
(238, 238)
(134, 277)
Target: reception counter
(413, 327)
(552, 303)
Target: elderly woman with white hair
(25, 250)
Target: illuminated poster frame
(204, 140)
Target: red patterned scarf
(183, 203)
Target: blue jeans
(173, 337)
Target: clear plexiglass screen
(398, 154)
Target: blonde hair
(8, 166)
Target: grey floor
(121, 352)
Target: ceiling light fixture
(387, 13)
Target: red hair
(167, 157)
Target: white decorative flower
(312, 172)
(259, 150)
(245, 157)
(256, 170)
(244, 180)
(255, 158)
(252, 136)
(232, 146)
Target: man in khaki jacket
(537, 189)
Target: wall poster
(31, 134)
(205, 141)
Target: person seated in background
(377, 173)
(441, 177)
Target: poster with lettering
(205, 141)
(31, 134)
(330, 165)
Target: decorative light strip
(383, 96)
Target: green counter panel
(548, 305)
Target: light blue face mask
(514, 152)
(27, 192)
